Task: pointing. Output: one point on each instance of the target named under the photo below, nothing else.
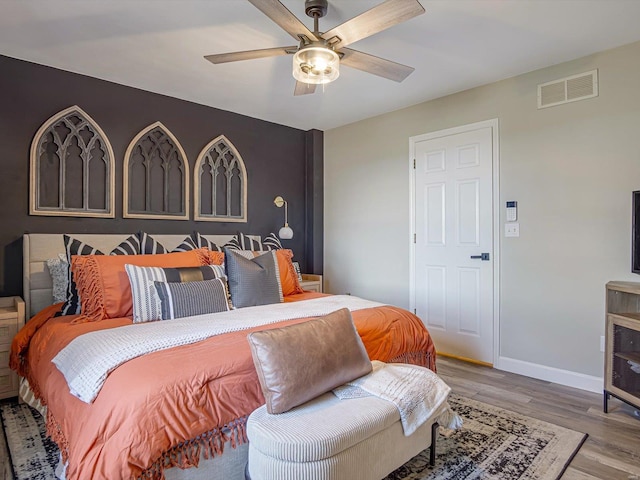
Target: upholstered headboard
(39, 247)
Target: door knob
(482, 256)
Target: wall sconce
(285, 232)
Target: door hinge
(414, 238)
(414, 163)
(415, 312)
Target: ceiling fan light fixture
(316, 64)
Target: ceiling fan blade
(249, 54)
(304, 88)
(376, 65)
(380, 17)
(277, 12)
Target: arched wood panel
(156, 176)
(220, 183)
(72, 168)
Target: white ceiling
(158, 45)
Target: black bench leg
(432, 450)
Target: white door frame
(493, 124)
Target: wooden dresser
(11, 320)
(622, 345)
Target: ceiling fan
(318, 56)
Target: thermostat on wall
(512, 211)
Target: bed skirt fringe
(55, 432)
(184, 455)
(209, 444)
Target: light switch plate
(511, 229)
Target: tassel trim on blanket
(449, 419)
(417, 392)
(422, 359)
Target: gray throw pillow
(252, 281)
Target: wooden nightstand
(11, 320)
(311, 283)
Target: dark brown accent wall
(280, 161)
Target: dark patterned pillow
(72, 246)
(179, 300)
(252, 281)
(271, 242)
(203, 242)
(150, 246)
(146, 304)
(240, 241)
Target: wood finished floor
(611, 452)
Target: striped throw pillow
(72, 246)
(146, 303)
(150, 246)
(178, 300)
(240, 241)
(271, 242)
(203, 242)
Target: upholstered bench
(332, 439)
(330, 413)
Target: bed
(160, 414)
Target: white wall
(571, 168)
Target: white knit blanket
(417, 392)
(87, 360)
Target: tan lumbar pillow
(299, 362)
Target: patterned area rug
(493, 444)
(33, 455)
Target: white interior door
(454, 257)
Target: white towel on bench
(417, 392)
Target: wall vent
(568, 89)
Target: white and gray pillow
(146, 303)
(59, 271)
(178, 300)
(252, 281)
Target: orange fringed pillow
(288, 275)
(103, 284)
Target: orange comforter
(162, 409)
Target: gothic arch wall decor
(155, 176)
(220, 183)
(72, 168)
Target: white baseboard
(551, 374)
